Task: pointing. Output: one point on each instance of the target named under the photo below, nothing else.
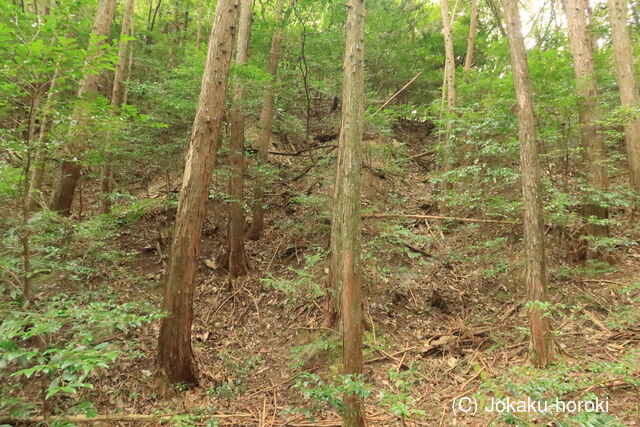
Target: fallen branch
(440, 341)
(308, 168)
(396, 94)
(378, 359)
(613, 282)
(299, 152)
(275, 386)
(610, 384)
(424, 153)
(417, 250)
(509, 312)
(112, 418)
(453, 218)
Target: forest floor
(444, 299)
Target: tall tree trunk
(346, 216)
(264, 137)
(592, 37)
(237, 259)
(495, 11)
(128, 73)
(39, 158)
(199, 10)
(627, 83)
(25, 233)
(450, 79)
(536, 279)
(117, 95)
(471, 41)
(176, 27)
(125, 49)
(592, 143)
(70, 169)
(175, 356)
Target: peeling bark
(623, 55)
(175, 355)
(264, 137)
(117, 95)
(237, 258)
(594, 153)
(471, 40)
(346, 216)
(70, 168)
(535, 276)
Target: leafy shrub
(63, 345)
(304, 284)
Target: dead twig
(424, 153)
(396, 94)
(378, 359)
(275, 386)
(111, 418)
(453, 218)
(299, 152)
(417, 250)
(610, 384)
(603, 281)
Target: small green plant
(592, 268)
(304, 284)
(237, 373)
(323, 394)
(63, 345)
(559, 382)
(318, 204)
(401, 403)
(627, 314)
(325, 344)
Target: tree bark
(592, 142)
(70, 169)
(199, 10)
(39, 158)
(117, 96)
(175, 355)
(125, 49)
(352, 362)
(592, 37)
(346, 216)
(25, 232)
(237, 258)
(264, 137)
(536, 279)
(623, 54)
(495, 11)
(471, 41)
(450, 87)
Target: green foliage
(316, 203)
(237, 373)
(563, 382)
(64, 344)
(401, 403)
(64, 248)
(303, 285)
(322, 394)
(10, 178)
(591, 268)
(325, 344)
(391, 239)
(626, 315)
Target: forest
(319, 213)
